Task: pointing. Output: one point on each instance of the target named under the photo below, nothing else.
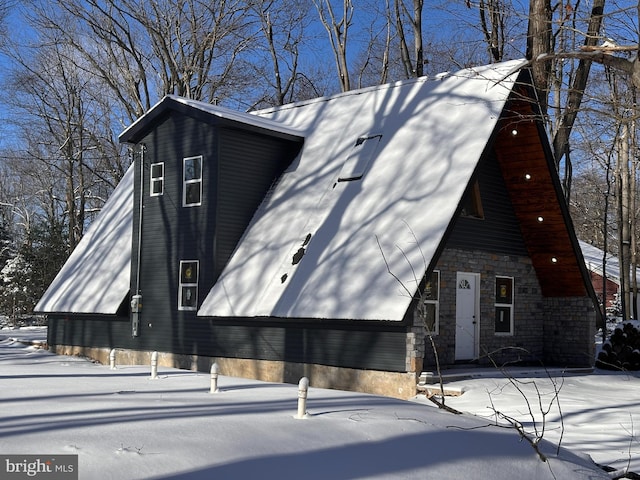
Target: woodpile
(622, 350)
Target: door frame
(476, 315)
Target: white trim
(511, 307)
(476, 315)
(191, 181)
(153, 180)
(182, 285)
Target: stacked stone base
(391, 384)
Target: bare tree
(142, 51)
(337, 28)
(63, 126)
(283, 26)
(412, 15)
(493, 24)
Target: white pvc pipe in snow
(214, 378)
(303, 388)
(154, 366)
(112, 359)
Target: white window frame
(510, 306)
(436, 303)
(182, 284)
(191, 181)
(153, 180)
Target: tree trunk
(625, 234)
(417, 36)
(338, 31)
(578, 85)
(539, 42)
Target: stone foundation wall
(391, 384)
(570, 329)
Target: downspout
(136, 300)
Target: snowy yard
(123, 425)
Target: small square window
(188, 285)
(156, 187)
(504, 290)
(189, 297)
(503, 319)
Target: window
(472, 203)
(504, 306)
(188, 285)
(357, 163)
(431, 303)
(156, 187)
(192, 181)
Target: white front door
(467, 316)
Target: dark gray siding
(378, 348)
(499, 231)
(238, 169)
(247, 169)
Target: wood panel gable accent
(536, 194)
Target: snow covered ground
(124, 425)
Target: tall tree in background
(337, 28)
(64, 126)
(145, 50)
(283, 26)
(411, 15)
(493, 15)
(549, 72)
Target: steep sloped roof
(95, 278)
(349, 210)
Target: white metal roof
(317, 247)
(593, 259)
(95, 278)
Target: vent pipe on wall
(136, 299)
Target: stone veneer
(392, 384)
(554, 331)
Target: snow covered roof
(95, 278)
(247, 120)
(380, 176)
(593, 259)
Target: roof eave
(206, 113)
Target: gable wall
(499, 230)
(171, 233)
(551, 324)
(528, 307)
(238, 169)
